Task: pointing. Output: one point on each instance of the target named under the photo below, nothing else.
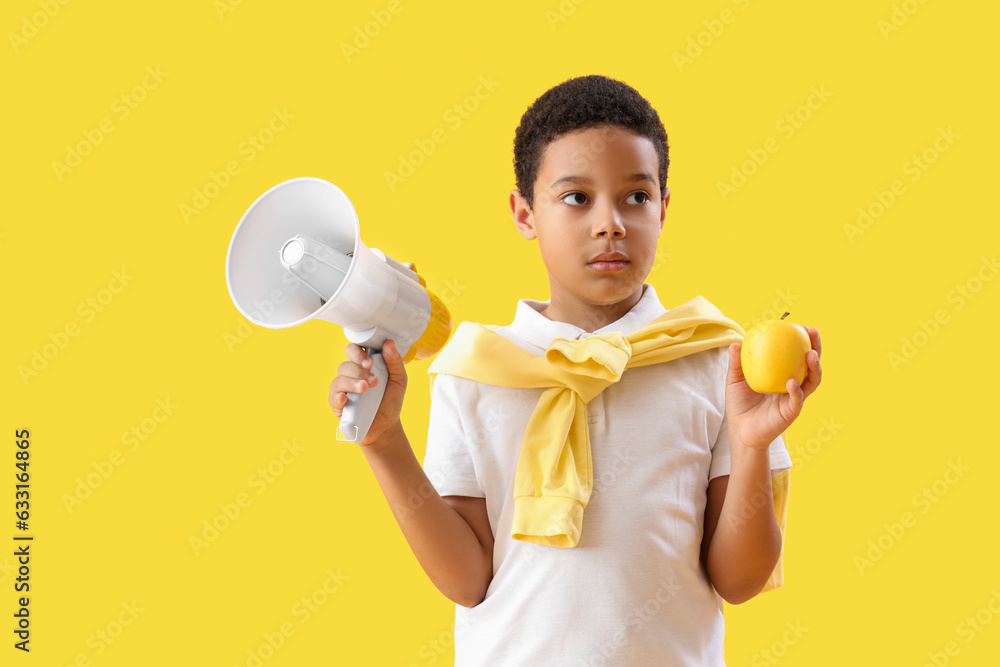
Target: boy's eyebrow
(583, 179)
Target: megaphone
(297, 255)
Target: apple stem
(785, 315)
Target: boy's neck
(590, 317)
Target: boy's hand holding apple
(770, 375)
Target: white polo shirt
(632, 592)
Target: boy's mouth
(608, 261)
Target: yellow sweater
(554, 475)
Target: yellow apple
(773, 352)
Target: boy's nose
(609, 223)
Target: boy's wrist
(738, 443)
(390, 437)
(743, 457)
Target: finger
(353, 371)
(796, 397)
(357, 354)
(814, 338)
(393, 362)
(353, 385)
(814, 373)
(337, 401)
(735, 363)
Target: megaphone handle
(359, 410)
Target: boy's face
(597, 216)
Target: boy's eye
(572, 200)
(644, 197)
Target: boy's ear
(524, 219)
(663, 208)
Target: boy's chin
(611, 298)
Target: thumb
(394, 362)
(735, 363)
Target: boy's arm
(742, 542)
(451, 537)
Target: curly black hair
(577, 104)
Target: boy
(580, 514)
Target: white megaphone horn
(297, 255)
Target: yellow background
(875, 435)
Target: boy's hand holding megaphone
(355, 375)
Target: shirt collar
(530, 325)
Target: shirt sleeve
(448, 461)
(777, 454)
